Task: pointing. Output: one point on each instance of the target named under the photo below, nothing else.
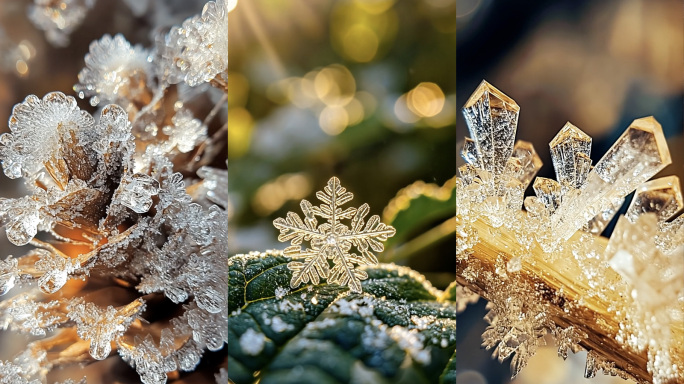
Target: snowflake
(333, 239)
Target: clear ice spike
(529, 160)
(492, 119)
(638, 154)
(570, 151)
(661, 196)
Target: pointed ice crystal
(529, 160)
(570, 151)
(636, 156)
(492, 119)
(549, 192)
(661, 196)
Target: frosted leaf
(186, 132)
(39, 127)
(197, 51)
(101, 326)
(59, 18)
(8, 274)
(136, 191)
(252, 342)
(21, 218)
(332, 240)
(115, 71)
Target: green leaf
(399, 330)
(418, 205)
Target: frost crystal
(101, 326)
(332, 240)
(59, 18)
(114, 71)
(252, 342)
(41, 131)
(197, 51)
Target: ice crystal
(40, 130)
(197, 51)
(332, 240)
(115, 71)
(558, 233)
(59, 18)
(101, 326)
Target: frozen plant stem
(562, 293)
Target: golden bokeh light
(403, 112)
(271, 196)
(355, 111)
(240, 132)
(360, 43)
(363, 30)
(426, 99)
(333, 120)
(231, 4)
(374, 7)
(239, 89)
(334, 85)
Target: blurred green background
(364, 90)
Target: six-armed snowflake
(332, 240)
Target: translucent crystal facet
(636, 156)
(492, 119)
(660, 196)
(570, 151)
(530, 161)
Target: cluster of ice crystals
(186, 132)
(39, 128)
(136, 191)
(645, 248)
(59, 18)
(114, 71)
(56, 269)
(197, 51)
(101, 326)
(498, 169)
(656, 288)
